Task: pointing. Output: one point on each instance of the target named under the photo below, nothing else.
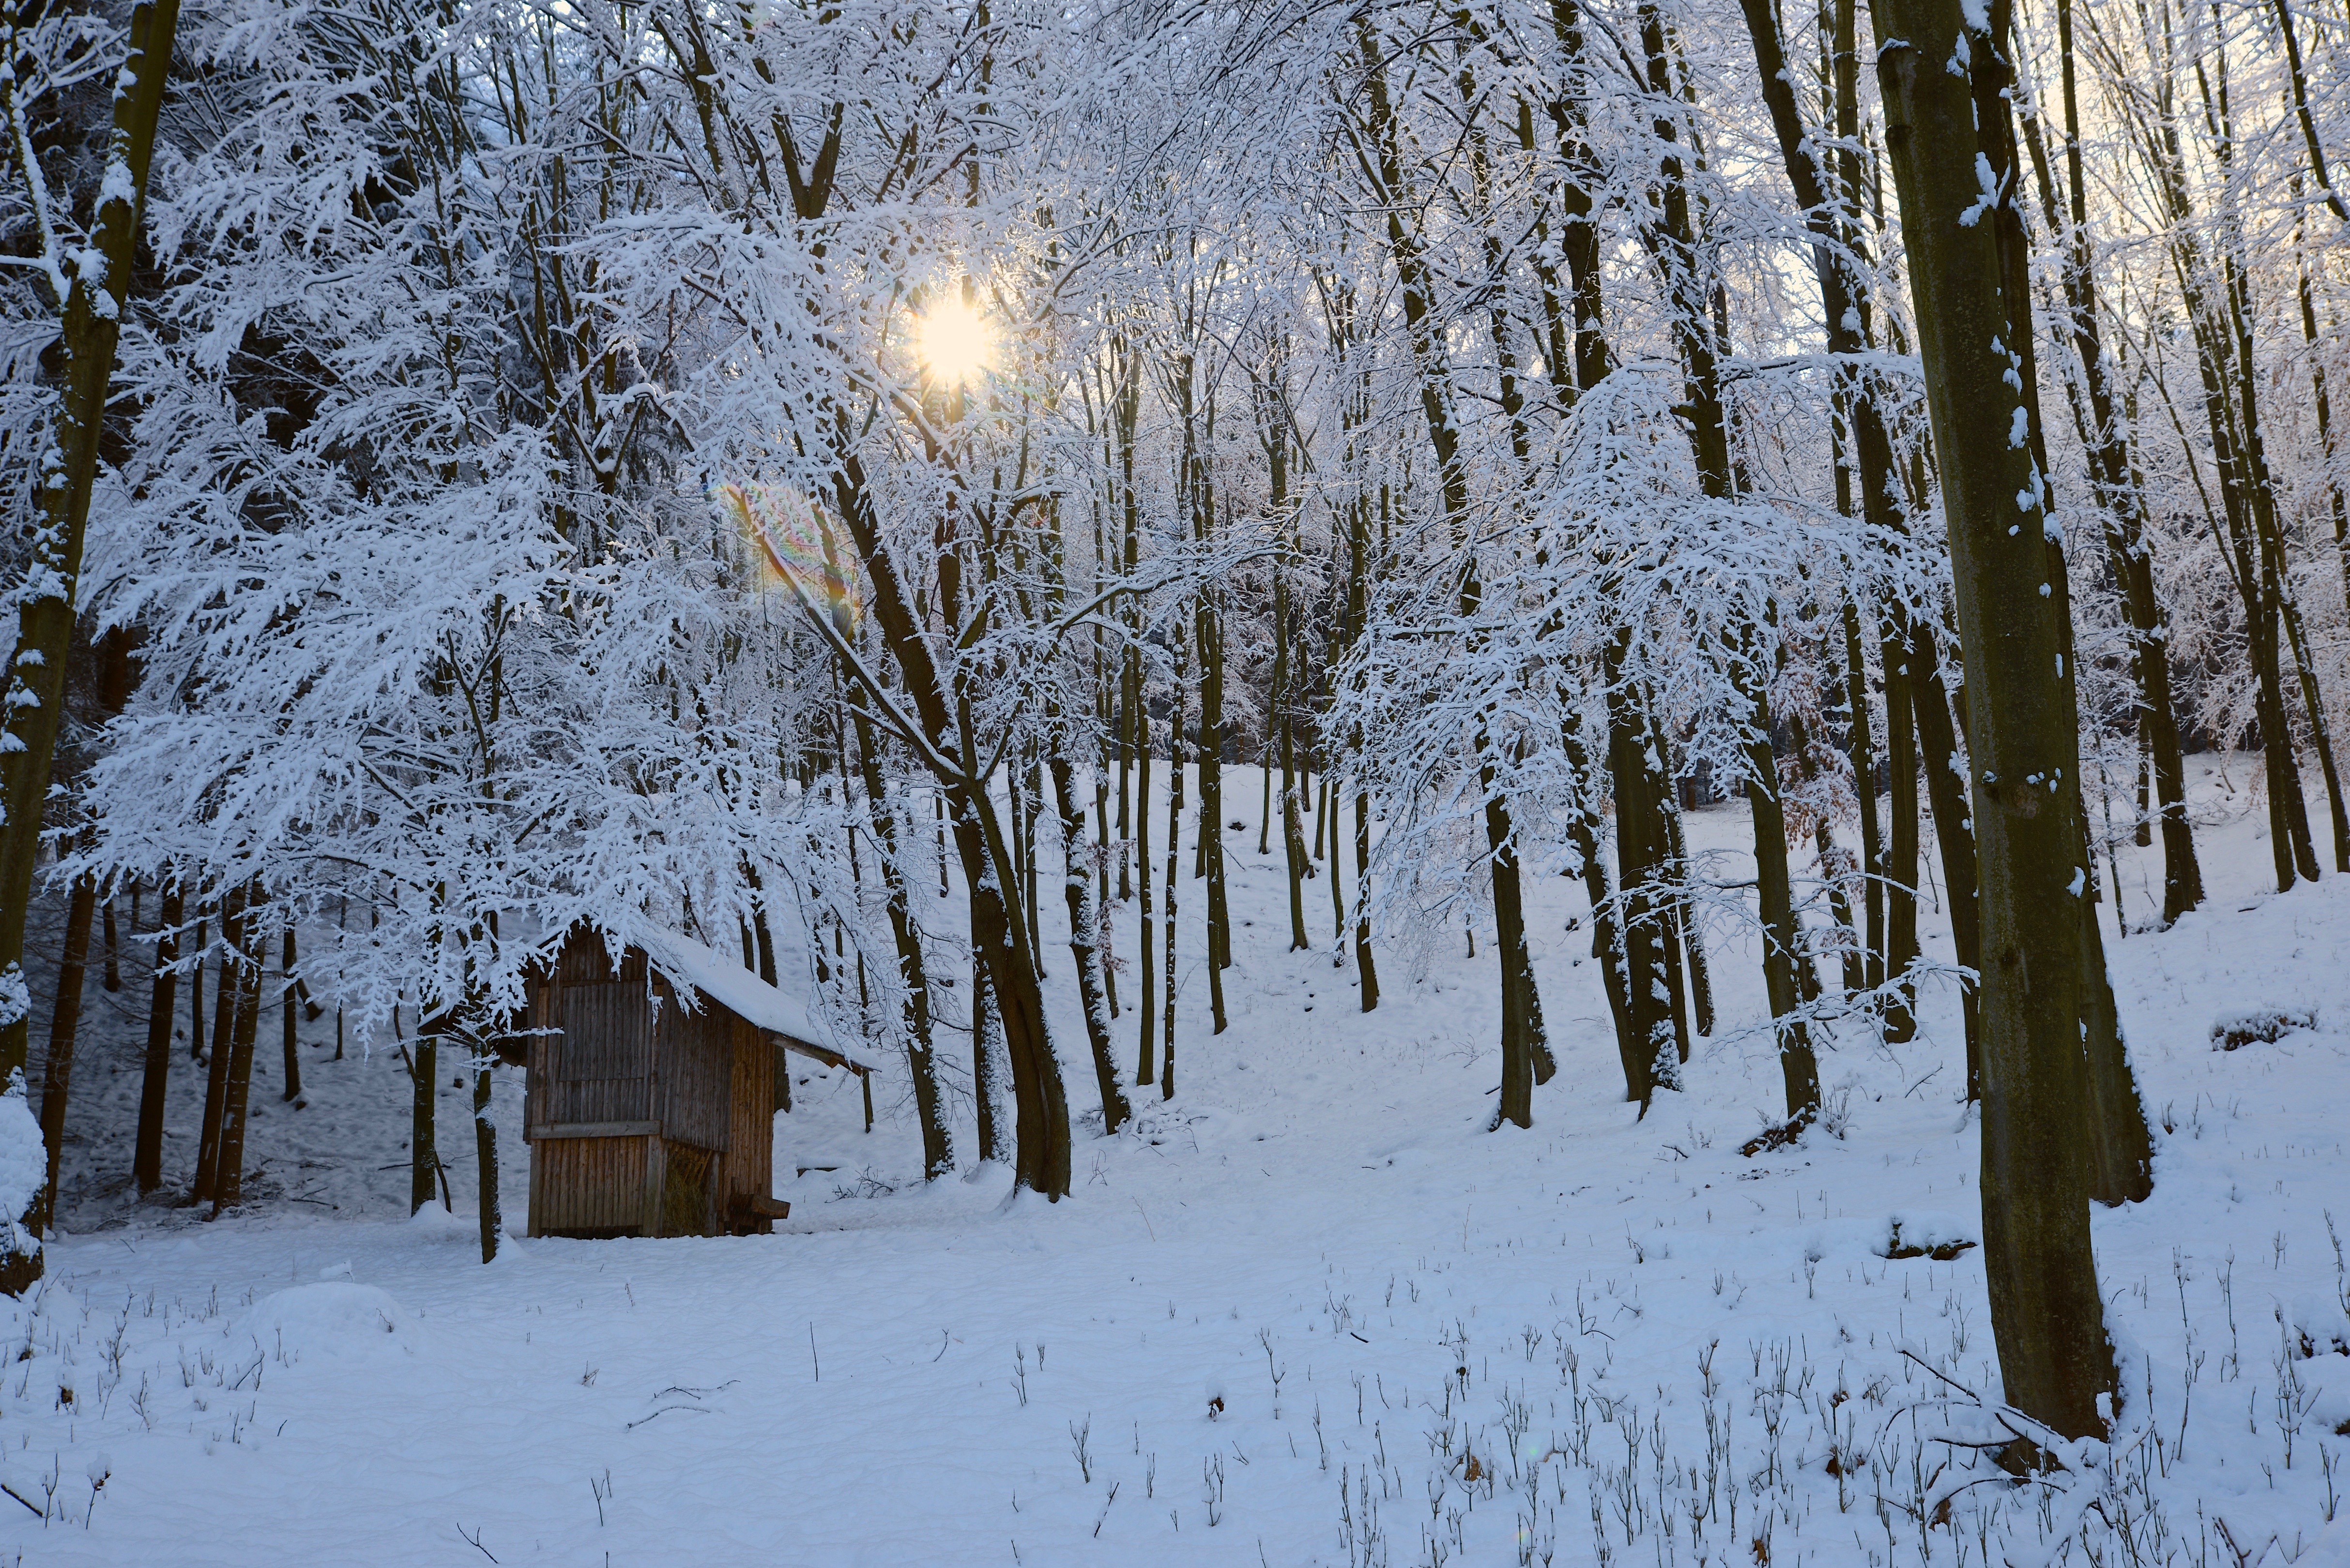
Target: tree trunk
(921, 1062)
(987, 1065)
(228, 1177)
(224, 1003)
(1366, 971)
(100, 285)
(1902, 841)
(196, 995)
(2047, 1316)
(1652, 1059)
(1781, 951)
(65, 1020)
(1524, 1047)
(2121, 497)
(423, 1142)
(1078, 888)
(485, 1152)
(1946, 788)
(293, 1054)
(1146, 1071)
(1174, 869)
(147, 1155)
(1864, 778)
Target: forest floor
(1306, 1312)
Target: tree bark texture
(2047, 1316)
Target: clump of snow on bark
(24, 1168)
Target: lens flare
(955, 342)
(797, 540)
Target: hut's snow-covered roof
(687, 963)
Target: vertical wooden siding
(619, 1050)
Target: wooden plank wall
(693, 1077)
(751, 1154)
(587, 1186)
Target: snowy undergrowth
(1307, 1313)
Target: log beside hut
(650, 1100)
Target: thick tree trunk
(147, 1155)
(2047, 1316)
(100, 283)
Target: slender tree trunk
(1337, 809)
(147, 1155)
(485, 1153)
(1293, 836)
(293, 1054)
(1864, 778)
(1078, 888)
(1832, 859)
(1782, 949)
(228, 1178)
(1264, 777)
(423, 1141)
(1525, 1051)
(196, 995)
(2047, 1314)
(1146, 1071)
(1366, 971)
(1578, 359)
(2121, 497)
(1522, 1024)
(1210, 834)
(1902, 841)
(113, 978)
(921, 1061)
(1693, 939)
(99, 287)
(1946, 788)
(1584, 831)
(65, 1022)
(224, 1005)
(987, 1065)
(1653, 1060)
(1174, 871)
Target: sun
(955, 341)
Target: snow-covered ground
(1308, 1311)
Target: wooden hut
(651, 1091)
